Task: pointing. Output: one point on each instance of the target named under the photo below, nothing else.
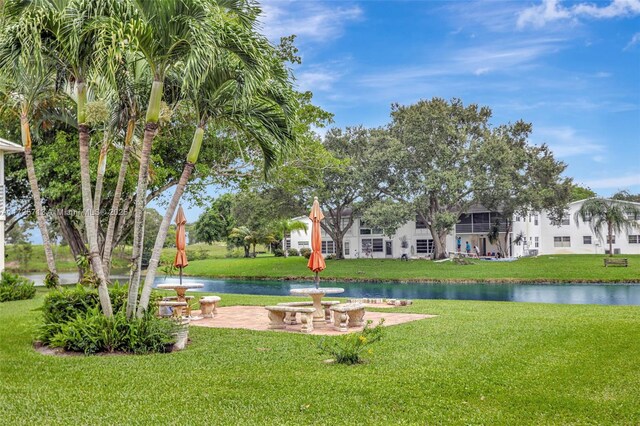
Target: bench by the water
(616, 261)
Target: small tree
(285, 227)
(613, 215)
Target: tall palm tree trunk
(151, 126)
(115, 204)
(35, 191)
(87, 201)
(192, 158)
(102, 168)
(610, 237)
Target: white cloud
(618, 182)
(315, 21)
(552, 10)
(316, 80)
(478, 60)
(634, 40)
(566, 142)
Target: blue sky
(572, 69)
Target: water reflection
(599, 294)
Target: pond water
(599, 294)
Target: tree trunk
(247, 251)
(90, 222)
(115, 205)
(150, 128)
(35, 192)
(102, 168)
(610, 239)
(161, 237)
(73, 237)
(254, 250)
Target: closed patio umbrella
(181, 242)
(316, 261)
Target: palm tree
(128, 93)
(168, 33)
(229, 97)
(286, 227)
(25, 90)
(612, 215)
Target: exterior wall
(576, 231)
(537, 229)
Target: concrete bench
(278, 313)
(290, 317)
(616, 261)
(175, 299)
(169, 308)
(348, 315)
(209, 306)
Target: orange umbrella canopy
(316, 261)
(181, 240)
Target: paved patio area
(255, 318)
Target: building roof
(7, 146)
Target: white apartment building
(539, 236)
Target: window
(424, 246)
(366, 230)
(537, 242)
(372, 244)
(535, 221)
(420, 224)
(303, 243)
(562, 241)
(634, 239)
(288, 244)
(346, 248)
(564, 222)
(328, 247)
(530, 217)
(586, 239)
(615, 251)
(517, 219)
(611, 239)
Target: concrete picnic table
(317, 294)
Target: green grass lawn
(62, 254)
(564, 268)
(477, 363)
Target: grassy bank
(565, 268)
(477, 363)
(62, 254)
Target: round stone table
(180, 289)
(317, 294)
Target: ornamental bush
(305, 252)
(278, 252)
(73, 320)
(348, 349)
(293, 252)
(15, 287)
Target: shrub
(293, 252)
(348, 349)
(65, 305)
(278, 252)
(91, 332)
(15, 287)
(330, 256)
(306, 252)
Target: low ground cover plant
(15, 287)
(348, 349)
(72, 320)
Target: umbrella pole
(317, 280)
(181, 275)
